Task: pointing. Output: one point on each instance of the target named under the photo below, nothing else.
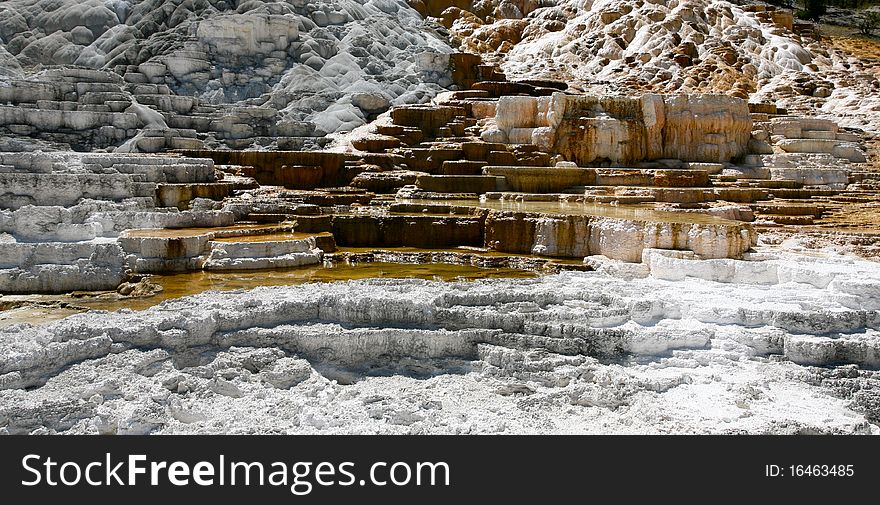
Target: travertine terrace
(656, 193)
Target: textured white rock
(635, 46)
(53, 267)
(234, 70)
(248, 34)
(63, 211)
(262, 255)
(833, 177)
(626, 239)
(844, 150)
(510, 356)
(817, 169)
(286, 372)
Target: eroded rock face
(622, 130)
(410, 356)
(636, 46)
(304, 170)
(576, 236)
(166, 74)
(61, 215)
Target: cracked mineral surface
(240, 74)
(771, 346)
(743, 48)
(381, 216)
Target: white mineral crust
(680, 346)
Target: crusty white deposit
(237, 69)
(674, 346)
(669, 46)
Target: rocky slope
(622, 46)
(283, 74)
(241, 73)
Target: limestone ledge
(66, 119)
(585, 129)
(848, 335)
(620, 239)
(152, 251)
(53, 267)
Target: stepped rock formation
(619, 239)
(636, 46)
(69, 221)
(647, 190)
(239, 74)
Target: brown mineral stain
(632, 212)
(192, 283)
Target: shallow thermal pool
(191, 283)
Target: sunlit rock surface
(620, 239)
(621, 130)
(627, 46)
(673, 212)
(73, 221)
(160, 74)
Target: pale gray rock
(371, 102)
(64, 218)
(229, 74)
(286, 372)
(698, 347)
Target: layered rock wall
(621, 130)
(293, 169)
(153, 75)
(577, 236)
(61, 214)
(744, 49)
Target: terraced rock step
(294, 169)
(282, 128)
(458, 183)
(616, 238)
(238, 79)
(481, 258)
(63, 189)
(789, 209)
(536, 338)
(234, 248)
(60, 267)
(545, 229)
(180, 195)
(321, 192)
(462, 167)
(543, 179)
(788, 219)
(262, 255)
(424, 231)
